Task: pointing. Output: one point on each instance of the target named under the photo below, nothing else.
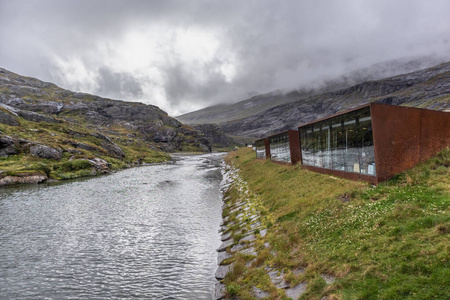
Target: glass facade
(279, 147)
(342, 143)
(260, 149)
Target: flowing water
(148, 232)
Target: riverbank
(148, 232)
(330, 238)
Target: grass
(385, 242)
(72, 165)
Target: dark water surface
(148, 232)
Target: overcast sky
(188, 54)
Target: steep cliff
(215, 135)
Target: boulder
(43, 151)
(8, 119)
(100, 165)
(36, 117)
(164, 135)
(32, 178)
(7, 146)
(222, 271)
(113, 149)
(220, 291)
(15, 101)
(80, 145)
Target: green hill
(391, 241)
(47, 132)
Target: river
(148, 232)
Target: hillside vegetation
(48, 132)
(389, 241)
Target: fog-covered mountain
(426, 87)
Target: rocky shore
(245, 234)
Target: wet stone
(328, 278)
(224, 221)
(255, 225)
(278, 279)
(225, 237)
(219, 291)
(237, 247)
(225, 245)
(222, 256)
(249, 251)
(259, 294)
(222, 271)
(248, 238)
(296, 291)
(253, 217)
(299, 271)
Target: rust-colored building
(285, 147)
(373, 142)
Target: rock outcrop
(48, 132)
(36, 101)
(25, 178)
(215, 135)
(47, 152)
(7, 146)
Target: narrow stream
(148, 232)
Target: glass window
(343, 143)
(307, 140)
(279, 147)
(260, 149)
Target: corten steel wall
(402, 137)
(294, 147)
(267, 144)
(405, 136)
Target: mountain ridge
(49, 133)
(426, 88)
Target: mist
(186, 55)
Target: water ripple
(148, 232)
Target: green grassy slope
(74, 161)
(391, 241)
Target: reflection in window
(341, 143)
(260, 149)
(279, 147)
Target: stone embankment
(245, 231)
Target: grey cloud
(183, 87)
(115, 84)
(276, 44)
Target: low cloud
(115, 83)
(185, 55)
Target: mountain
(223, 113)
(426, 88)
(50, 132)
